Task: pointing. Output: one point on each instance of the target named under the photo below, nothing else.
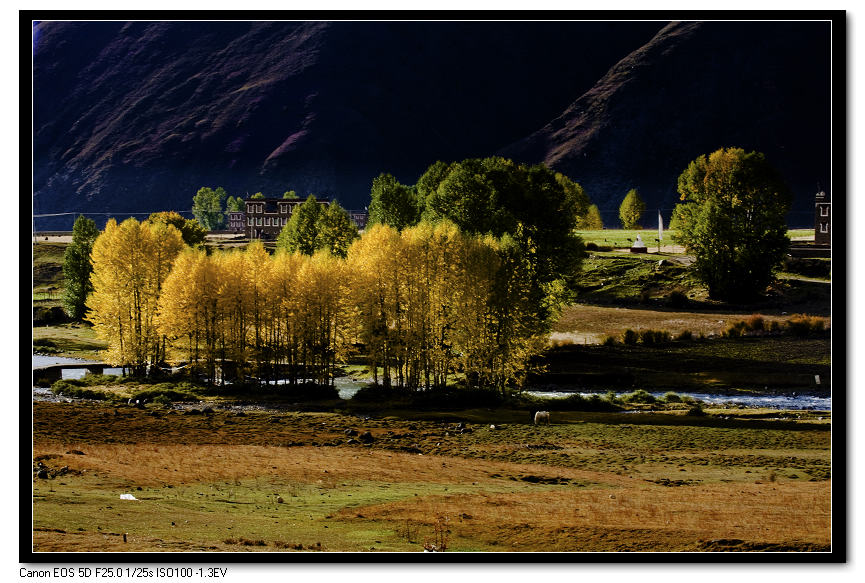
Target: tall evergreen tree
(77, 267)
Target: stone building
(822, 219)
(265, 217)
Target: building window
(266, 221)
(258, 221)
(250, 221)
(824, 227)
(824, 211)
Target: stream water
(347, 387)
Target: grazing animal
(542, 416)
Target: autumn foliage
(423, 305)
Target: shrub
(677, 299)
(630, 337)
(591, 246)
(639, 396)
(161, 400)
(755, 322)
(612, 397)
(68, 389)
(654, 336)
(609, 341)
(774, 326)
(92, 380)
(735, 330)
(803, 325)
(696, 410)
(671, 397)
(165, 390)
(684, 336)
(645, 297)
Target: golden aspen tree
(233, 300)
(130, 262)
(188, 307)
(283, 302)
(257, 270)
(372, 259)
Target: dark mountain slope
(132, 117)
(693, 88)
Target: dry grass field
(274, 482)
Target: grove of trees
(461, 273)
(535, 207)
(130, 262)
(732, 218)
(423, 303)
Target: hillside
(133, 117)
(694, 88)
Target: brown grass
(770, 513)
(584, 323)
(158, 464)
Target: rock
(352, 441)
(207, 411)
(42, 474)
(350, 432)
(279, 500)
(366, 437)
(192, 412)
(240, 414)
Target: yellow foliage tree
(130, 263)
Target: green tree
(497, 196)
(234, 204)
(592, 220)
(574, 191)
(335, 230)
(207, 207)
(429, 181)
(289, 194)
(300, 233)
(732, 218)
(393, 203)
(257, 196)
(77, 267)
(191, 230)
(631, 209)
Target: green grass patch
(73, 340)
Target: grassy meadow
(289, 481)
(220, 474)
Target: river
(347, 387)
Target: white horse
(542, 416)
